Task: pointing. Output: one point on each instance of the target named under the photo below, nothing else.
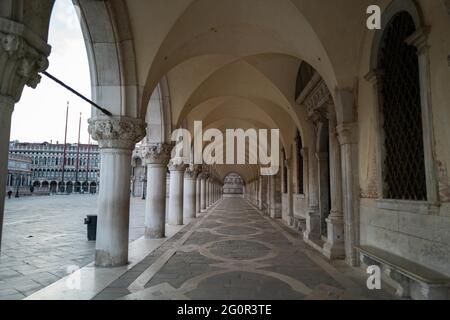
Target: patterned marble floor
(232, 252)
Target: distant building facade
(19, 175)
(233, 184)
(81, 169)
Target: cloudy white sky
(40, 114)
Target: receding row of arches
(359, 136)
(66, 187)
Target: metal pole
(78, 154)
(87, 163)
(65, 149)
(106, 112)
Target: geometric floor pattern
(233, 252)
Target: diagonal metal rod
(106, 112)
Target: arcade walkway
(233, 252)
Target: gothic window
(404, 162)
(298, 148)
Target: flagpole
(78, 153)
(65, 149)
(87, 163)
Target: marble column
(6, 109)
(189, 202)
(117, 137)
(312, 231)
(348, 138)
(156, 156)
(176, 192)
(272, 180)
(23, 55)
(324, 184)
(203, 192)
(215, 192)
(290, 200)
(208, 192)
(198, 192)
(260, 200)
(334, 247)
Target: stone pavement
(233, 252)
(43, 236)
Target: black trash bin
(91, 222)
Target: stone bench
(415, 281)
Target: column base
(104, 259)
(154, 234)
(334, 248)
(334, 251)
(312, 231)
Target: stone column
(117, 137)
(334, 247)
(323, 181)
(272, 196)
(203, 192)
(156, 156)
(313, 214)
(348, 138)
(260, 200)
(20, 65)
(189, 202)
(176, 193)
(215, 192)
(6, 109)
(289, 190)
(208, 193)
(198, 192)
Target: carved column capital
(347, 133)
(117, 132)
(20, 64)
(193, 171)
(204, 175)
(156, 153)
(190, 173)
(176, 165)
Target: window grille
(404, 164)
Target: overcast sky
(40, 114)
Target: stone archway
(233, 185)
(53, 187)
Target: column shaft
(176, 194)
(198, 208)
(189, 193)
(203, 194)
(117, 137)
(155, 205)
(6, 109)
(334, 247)
(111, 247)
